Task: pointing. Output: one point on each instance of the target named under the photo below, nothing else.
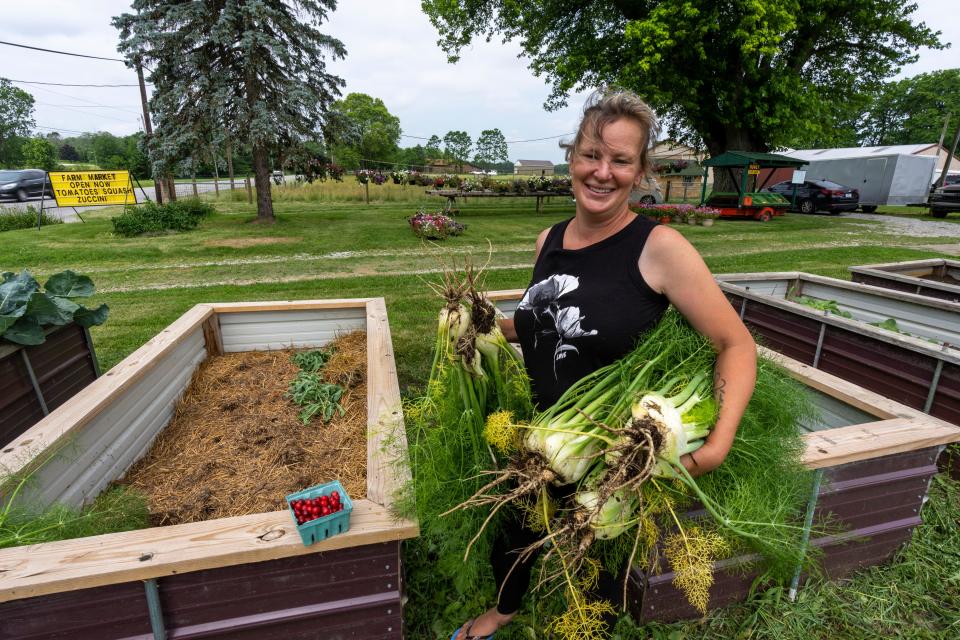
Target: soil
(236, 445)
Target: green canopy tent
(754, 203)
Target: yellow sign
(754, 170)
(90, 188)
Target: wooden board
(149, 553)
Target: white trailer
(896, 178)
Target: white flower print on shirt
(543, 300)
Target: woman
(601, 279)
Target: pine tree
(254, 68)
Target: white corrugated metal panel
(775, 288)
(264, 330)
(508, 307)
(915, 319)
(832, 413)
(120, 434)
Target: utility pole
(946, 165)
(147, 127)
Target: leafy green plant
(316, 397)
(25, 309)
(26, 219)
(312, 361)
(150, 217)
(830, 306)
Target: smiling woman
(602, 279)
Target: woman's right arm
(506, 324)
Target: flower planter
(38, 379)
(241, 577)
(873, 458)
(707, 222)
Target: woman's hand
(706, 458)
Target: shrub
(26, 219)
(150, 217)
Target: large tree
(456, 146)
(913, 110)
(376, 131)
(254, 68)
(730, 75)
(491, 148)
(40, 153)
(16, 120)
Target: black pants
(513, 577)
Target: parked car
(647, 192)
(24, 183)
(944, 200)
(819, 195)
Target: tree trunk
(230, 160)
(261, 180)
(732, 138)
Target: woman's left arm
(672, 266)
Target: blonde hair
(608, 105)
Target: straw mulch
(236, 446)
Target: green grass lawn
(324, 248)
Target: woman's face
(604, 172)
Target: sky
(391, 54)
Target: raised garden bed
(935, 278)
(918, 368)
(874, 459)
(246, 576)
(38, 379)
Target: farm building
(533, 168)
(441, 166)
(678, 169)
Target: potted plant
(707, 215)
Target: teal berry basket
(325, 526)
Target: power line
(404, 135)
(64, 84)
(64, 53)
(96, 115)
(91, 102)
(40, 126)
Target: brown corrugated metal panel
(869, 546)
(946, 399)
(918, 288)
(793, 335)
(876, 505)
(102, 613)
(19, 407)
(899, 373)
(347, 593)
(892, 371)
(884, 464)
(63, 364)
(664, 602)
(880, 281)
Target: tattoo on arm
(718, 388)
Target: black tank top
(584, 308)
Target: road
(68, 214)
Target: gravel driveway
(907, 227)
